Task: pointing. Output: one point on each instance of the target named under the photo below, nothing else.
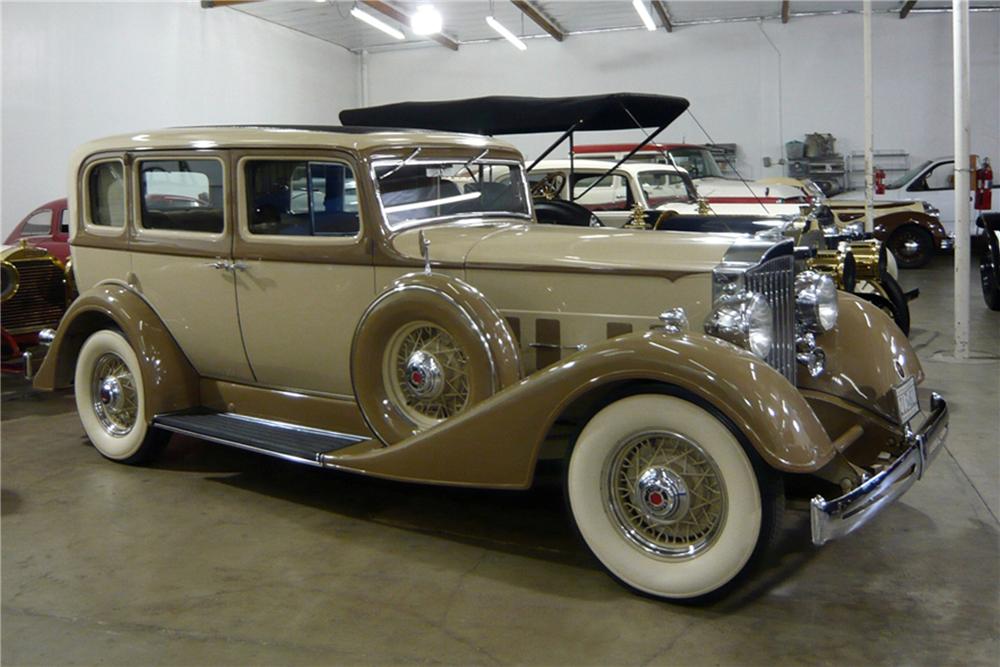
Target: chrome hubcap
(911, 247)
(661, 495)
(664, 494)
(424, 375)
(115, 398)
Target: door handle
(221, 264)
(238, 265)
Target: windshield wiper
(406, 161)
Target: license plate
(906, 400)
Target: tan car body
(579, 310)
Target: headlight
(931, 210)
(10, 278)
(815, 301)
(854, 229)
(744, 319)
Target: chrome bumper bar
(840, 516)
(947, 243)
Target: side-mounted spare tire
(427, 349)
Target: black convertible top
(524, 115)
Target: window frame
(22, 233)
(90, 227)
(141, 231)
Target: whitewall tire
(110, 399)
(667, 498)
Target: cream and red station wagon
(383, 302)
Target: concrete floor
(216, 556)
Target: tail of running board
(284, 441)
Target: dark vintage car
(989, 261)
(46, 227)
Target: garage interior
(213, 555)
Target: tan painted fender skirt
(170, 380)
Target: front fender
(496, 442)
(866, 356)
(171, 382)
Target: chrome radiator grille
(775, 281)
(40, 300)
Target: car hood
(712, 187)
(530, 246)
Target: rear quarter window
(106, 195)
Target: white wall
(730, 74)
(74, 72)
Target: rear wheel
(110, 399)
(668, 499)
(912, 246)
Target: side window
(611, 193)
(64, 221)
(183, 195)
(299, 198)
(941, 177)
(38, 224)
(106, 195)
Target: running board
(279, 439)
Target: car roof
(633, 168)
(362, 139)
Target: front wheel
(668, 499)
(110, 399)
(989, 270)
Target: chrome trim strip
(240, 445)
(834, 518)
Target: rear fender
(496, 442)
(171, 382)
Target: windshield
(699, 162)
(907, 177)
(415, 192)
(662, 187)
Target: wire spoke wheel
(665, 494)
(115, 398)
(426, 373)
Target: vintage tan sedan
(383, 302)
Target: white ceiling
(464, 20)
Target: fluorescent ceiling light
(375, 23)
(506, 34)
(426, 20)
(643, 12)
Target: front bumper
(840, 516)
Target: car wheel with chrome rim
(109, 398)
(912, 246)
(667, 497)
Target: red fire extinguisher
(879, 181)
(984, 186)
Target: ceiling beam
(661, 11)
(385, 9)
(907, 6)
(786, 8)
(532, 12)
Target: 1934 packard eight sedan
(383, 302)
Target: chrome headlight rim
(744, 319)
(11, 280)
(816, 306)
(930, 209)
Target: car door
(936, 186)
(181, 256)
(305, 272)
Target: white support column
(869, 120)
(960, 45)
(363, 78)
